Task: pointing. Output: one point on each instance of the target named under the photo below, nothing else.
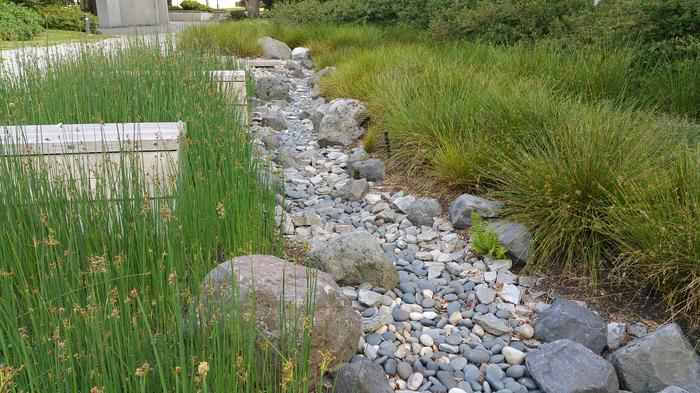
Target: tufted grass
(580, 143)
(99, 287)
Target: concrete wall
(122, 13)
(196, 16)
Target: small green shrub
(192, 5)
(485, 242)
(18, 23)
(174, 8)
(66, 17)
(238, 14)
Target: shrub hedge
(66, 17)
(666, 29)
(18, 23)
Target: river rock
(423, 210)
(336, 326)
(354, 190)
(274, 49)
(462, 208)
(361, 377)
(568, 320)
(337, 130)
(565, 366)
(301, 53)
(660, 359)
(348, 108)
(354, 258)
(272, 88)
(372, 169)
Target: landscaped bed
(596, 154)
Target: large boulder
(568, 320)
(372, 169)
(462, 208)
(272, 88)
(354, 258)
(336, 326)
(660, 359)
(349, 108)
(565, 366)
(515, 237)
(361, 377)
(274, 49)
(338, 130)
(423, 210)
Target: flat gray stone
(462, 208)
(492, 324)
(516, 238)
(660, 359)
(565, 366)
(568, 320)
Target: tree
(252, 7)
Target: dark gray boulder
(462, 208)
(354, 258)
(660, 359)
(568, 320)
(565, 366)
(423, 210)
(372, 169)
(361, 377)
(515, 237)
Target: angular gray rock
(301, 53)
(272, 88)
(423, 210)
(565, 366)
(568, 320)
(461, 210)
(372, 169)
(361, 377)
(336, 326)
(274, 120)
(353, 190)
(515, 237)
(660, 359)
(337, 130)
(349, 108)
(492, 324)
(274, 49)
(354, 258)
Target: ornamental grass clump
(99, 279)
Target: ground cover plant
(99, 287)
(577, 141)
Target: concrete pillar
(123, 13)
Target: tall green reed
(99, 284)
